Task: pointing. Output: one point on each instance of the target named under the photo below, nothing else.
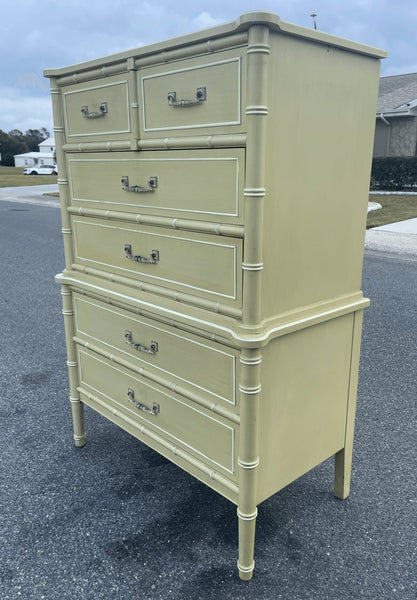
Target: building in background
(396, 123)
(45, 156)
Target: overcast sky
(39, 34)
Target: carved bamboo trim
(134, 105)
(211, 141)
(247, 517)
(150, 314)
(216, 307)
(140, 429)
(87, 75)
(254, 190)
(155, 58)
(248, 457)
(207, 47)
(221, 229)
(64, 193)
(248, 465)
(77, 408)
(160, 380)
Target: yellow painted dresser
(214, 197)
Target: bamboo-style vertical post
(64, 193)
(77, 406)
(256, 113)
(343, 458)
(248, 459)
(134, 104)
(67, 310)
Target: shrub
(395, 173)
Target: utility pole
(313, 16)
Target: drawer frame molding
(154, 424)
(237, 121)
(87, 89)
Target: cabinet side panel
(322, 104)
(303, 407)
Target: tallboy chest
(211, 288)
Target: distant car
(41, 170)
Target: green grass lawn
(394, 208)
(13, 176)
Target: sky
(40, 34)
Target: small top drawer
(97, 110)
(198, 93)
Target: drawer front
(197, 264)
(198, 365)
(205, 436)
(97, 110)
(204, 184)
(198, 93)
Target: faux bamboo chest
(214, 198)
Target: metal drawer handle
(151, 260)
(200, 96)
(152, 411)
(95, 115)
(152, 349)
(152, 183)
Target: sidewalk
(398, 237)
(31, 194)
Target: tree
(9, 146)
(16, 142)
(33, 137)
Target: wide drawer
(97, 110)
(198, 264)
(198, 93)
(209, 438)
(195, 365)
(203, 184)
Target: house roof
(397, 93)
(35, 155)
(48, 142)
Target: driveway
(31, 194)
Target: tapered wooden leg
(246, 563)
(248, 459)
(77, 406)
(343, 458)
(342, 471)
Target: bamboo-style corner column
(343, 458)
(248, 459)
(77, 406)
(258, 51)
(64, 194)
(256, 113)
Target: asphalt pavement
(114, 520)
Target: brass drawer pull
(152, 183)
(200, 96)
(152, 349)
(151, 260)
(152, 411)
(95, 115)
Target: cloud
(31, 80)
(204, 20)
(20, 111)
